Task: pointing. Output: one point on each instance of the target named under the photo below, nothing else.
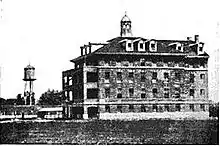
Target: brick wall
(175, 86)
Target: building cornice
(146, 67)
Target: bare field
(112, 132)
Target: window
(70, 81)
(113, 63)
(155, 108)
(92, 93)
(131, 108)
(92, 77)
(119, 95)
(143, 89)
(107, 92)
(178, 108)
(177, 75)
(202, 91)
(143, 95)
(66, 93)
(119, 108)
(154, 76)
(191, 92)
(200, 49)
(142, 77)
(141, 45)
(202, 107)
(152, 46)
(107, 108)
(166, 107)
(131, 75)
(119, 76)
(131, 92)
(177, 95)
(129, 46)
(107, 75)
(177, 92)
(191, 107)
(202, 76)
(65, 79)
(154, 90)
(142, 63)
(179, 47)
(71, 95)
(166, 95)
(166, 75)
(191, 78)
(143, 109)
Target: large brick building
(134, 77)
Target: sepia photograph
(109, 72)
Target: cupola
(125, 26)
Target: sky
(49, 33)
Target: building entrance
(93, 112)
(77, 113)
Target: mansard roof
(163, 46)
(114, 46)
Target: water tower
(29, 79)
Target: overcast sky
(48, 33)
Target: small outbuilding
(50, 113)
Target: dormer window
(200, 48)
(179, 47)
(153, 46)
(129, 46)
(141, 45)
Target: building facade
(135, 77)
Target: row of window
(143, 63)
(154, 76)
(152, 46)
(154, 91)
(93, 93)
(155, 108)
(93, 77)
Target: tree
(51, 97)
(2, 101)
(20, 100)
(214, 110)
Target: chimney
(90, 48)
(85, 49)
(81, 50)
(189, 38)
(196, 38)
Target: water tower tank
(29, 73)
